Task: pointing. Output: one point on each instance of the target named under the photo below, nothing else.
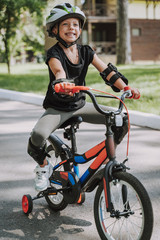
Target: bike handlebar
(74, 89)
(106, 112)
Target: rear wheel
(131, 217)
(56, 201)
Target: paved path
(16, 178)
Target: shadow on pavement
(42, 223)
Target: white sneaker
(41, 181)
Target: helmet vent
(60, 7)
(68, 5)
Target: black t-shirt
(74, 72)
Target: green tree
(123, 45)
(11, 12)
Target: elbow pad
(114, 78)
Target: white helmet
(60, 13)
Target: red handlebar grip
(58, 88)
(127, 88)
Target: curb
(136, 118)
(21, 96)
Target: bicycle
(122, 207)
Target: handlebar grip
(130, 94)
(128, 89)
(59, 88)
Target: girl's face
(69, 30)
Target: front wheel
(131, 217)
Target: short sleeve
(91, 53)
(52, 53)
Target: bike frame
(101, 151)
(98, 151)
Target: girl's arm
(57, 69)
(59, 73)
(119, 83)
(101, 66)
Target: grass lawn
(34, 78)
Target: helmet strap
(64, 43)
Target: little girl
(68, 64)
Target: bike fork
(124, 191)
(107, 187)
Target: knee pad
(38, 154)
(120, 132)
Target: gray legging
(52, 119)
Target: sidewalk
(136, 118)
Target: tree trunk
(123, 45)
(7, 53)
(6, 38)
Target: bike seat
(72, 121)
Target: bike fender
(57, 143)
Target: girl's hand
(135, 93)
(65, 91)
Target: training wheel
(27, 204)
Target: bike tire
(55, 202)
(27, 204)
(135, 226)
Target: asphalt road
(16, 178)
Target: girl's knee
(38, 138)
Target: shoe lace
(40, 174)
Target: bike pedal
(53, 193)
